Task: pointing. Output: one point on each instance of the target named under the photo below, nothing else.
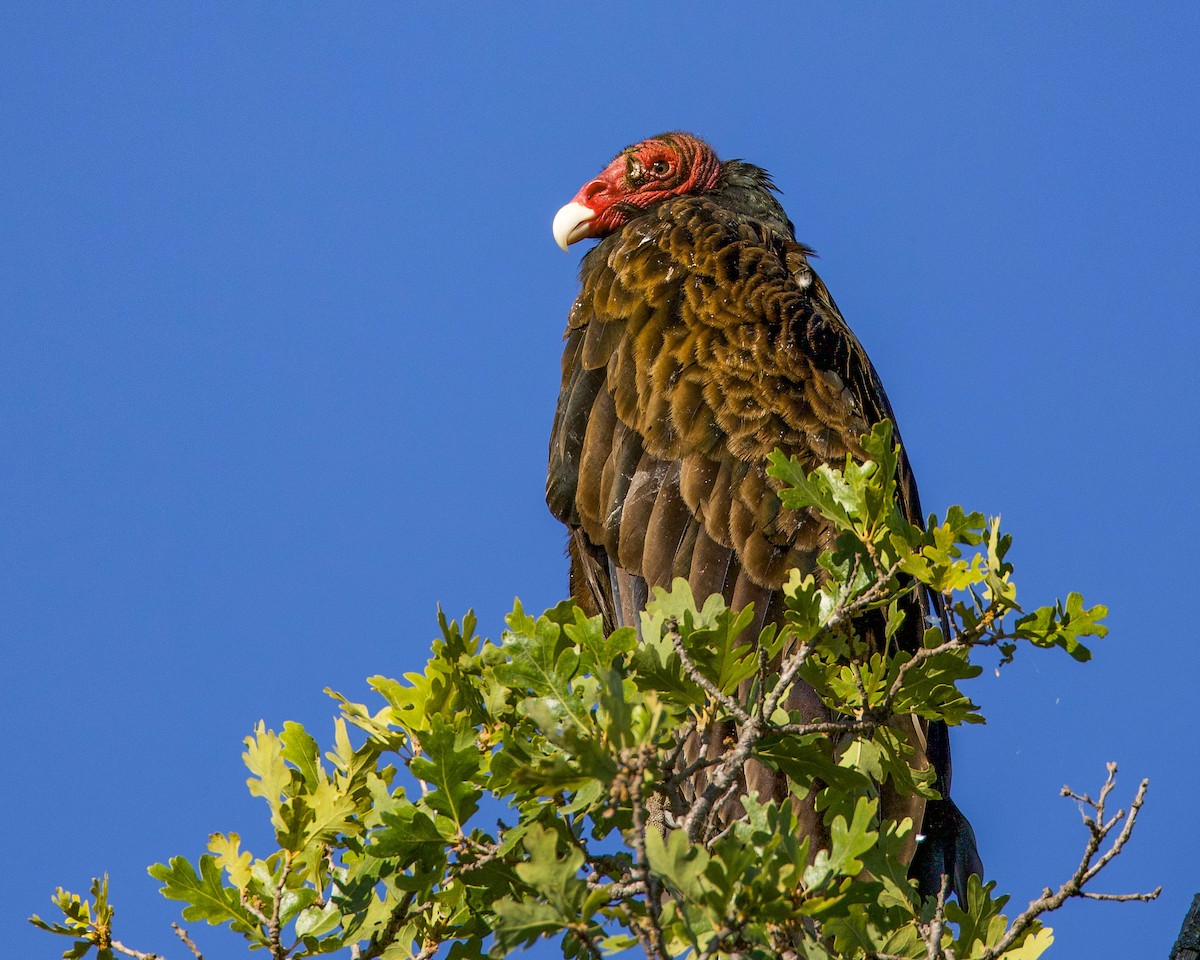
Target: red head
(669, 165)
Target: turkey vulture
(702, 340)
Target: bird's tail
(947, 846)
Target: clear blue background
(280, 322)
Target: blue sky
(279, 346)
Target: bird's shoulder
(701, 342)
(715, 329)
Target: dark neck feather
(748, 190)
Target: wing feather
(718, 344)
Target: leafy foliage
(614, 838)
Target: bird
(701, 341)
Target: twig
(748, 736)
(606, 861)
(275, 925)
(791, 667)
(130, 952)
(252, 905)
(714, 944)
(641, 869)
(868, 596)
(700, 679)
(932, 934)
(725, 831)
(753, 728)
(688, 729)
(691, 769)
(620, 890)
(188, 942)
(834, 727)
(483, 853)
(734, 761)
(859, 686)
(416, 752)
(584, 937)
(1123, 897)
(1098, 831)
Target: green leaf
(315, 922)
(980, 924)
(451, 763)
(598, 652)
(1032, 945)
(522, 922)
(301, 750)
(678, 861)
(410, 836)
(207, 898)
(541, 667)
(270, 778)
(332, 813)
(851, 840)
(545, 871)
(1063, 626)
(848, 841)
(230, 857)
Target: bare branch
(694, 674)
(933, 931)
(1098, 832)
(620, 890)
(1123, 897)
(683, 736)
(130, 952)
(725, 777)
(641, 870)
(188, 942)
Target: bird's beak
(571, 223)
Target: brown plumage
(701, 341)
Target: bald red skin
(671, 165)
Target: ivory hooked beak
(571, 223)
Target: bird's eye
(660, 168)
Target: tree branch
(188, 942)
(130, 952)
(275, 927)
(932, 933)
(641, 869)
(1098, 831)
(694, 674)
(395, 923)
